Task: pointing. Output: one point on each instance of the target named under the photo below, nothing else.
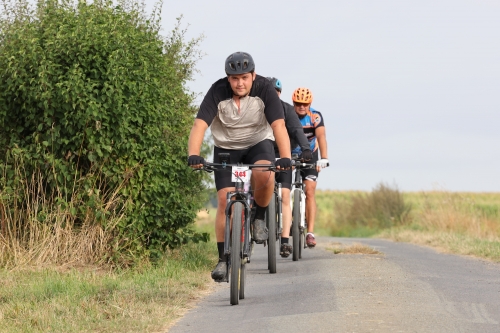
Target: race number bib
(240, 173)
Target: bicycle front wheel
(296, 225)
(243, 267)
(271, 229)
(236, 252)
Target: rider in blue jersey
(314, 129)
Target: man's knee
(310, 188)
(263, 179)
(222, 199)
(285, 197)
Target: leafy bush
(93, 98)
(367, 213)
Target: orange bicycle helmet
(302, 95)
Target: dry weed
(355, 248)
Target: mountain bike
(298, 202)
(237, 240)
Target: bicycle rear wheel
(236, 252)
(302, 243)
(271, 230)
(296, 225)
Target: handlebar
(304, 165)
(210, 167)
(298, 163)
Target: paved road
(406, 289)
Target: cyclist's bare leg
(262, 184)
(310, 204)
(220, 217)
(287, 212)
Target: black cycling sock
(284, 240)
(260, 212)
(220, 248)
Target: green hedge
(93, 97)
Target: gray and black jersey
(294, 129)
(233, 129)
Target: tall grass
(473, 214)
(362, 214)
(40, 228)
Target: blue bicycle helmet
(276, 83)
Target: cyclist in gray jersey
(245, 117)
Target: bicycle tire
(302, 241)
(296, 226)
(243, 274)
(235, 253)
(243, 267)
(271, 231)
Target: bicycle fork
(245, 228)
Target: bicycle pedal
(222, 280)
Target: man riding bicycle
(245, 117)
(297, 137)
(314, 129)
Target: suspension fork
(231, 199)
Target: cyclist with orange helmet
(297, 137)
(314, 129)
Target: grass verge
(143, 299)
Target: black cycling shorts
(263, 150)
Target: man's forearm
(196, 137)
(281, 137)
(323, 147)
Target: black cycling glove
(307, 155)
(195, 160)
(284, 163)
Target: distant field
(463, 223)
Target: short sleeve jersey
(312, 120)
(240, 129)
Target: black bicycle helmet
(276, 83)
(239, 63)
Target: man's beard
(241, 96)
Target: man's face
(241, 83)
(301, 108)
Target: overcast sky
(409, 90)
